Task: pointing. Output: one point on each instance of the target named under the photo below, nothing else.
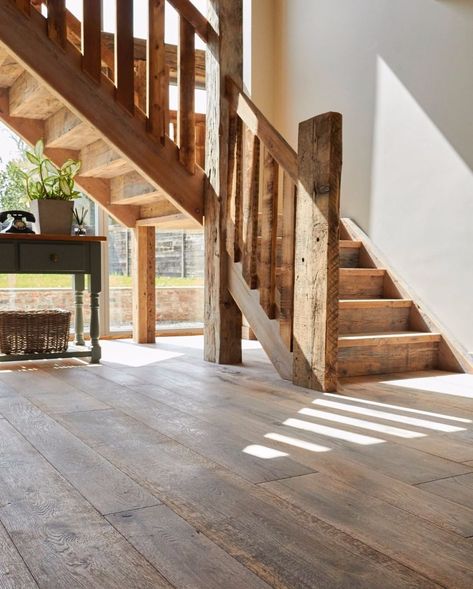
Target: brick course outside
(174, 305)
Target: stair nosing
(390, 338)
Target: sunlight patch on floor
(297, 443)
(457, 385)
(263, 452)
(332, 432)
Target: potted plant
(51, 190)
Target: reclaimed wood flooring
(157, 469)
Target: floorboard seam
(294, 476)
(20, 555)
(452, 476)
(160, 503)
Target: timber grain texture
(152, 476)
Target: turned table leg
(79, 285)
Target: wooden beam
(144, 285)
(286, 276)
(186, 9)
(317, 253)
(186, 83)
(24, 5)
(222, 331)
(57, 21)
(156, 74)
(250, 197)
(92, 38)
(124, 61)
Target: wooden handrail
(193, 16)
(254, 119)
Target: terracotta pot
(52, 216)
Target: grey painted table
(60, 254)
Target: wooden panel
(144, 285)
(92, 38)
(222, 318)
(124, 62)
(349, 254)
(186, 83)
(384, 357)
(57, 21)
(28, 98)
(250, 197)
(269, 226)
(286, 274)
(64, 130)
(132, 189)
(10, 70)
(102, 161)
(374, 316)
(317, 252)
(361, 283)
(157, 83)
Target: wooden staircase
(83, 92)
(321, 307)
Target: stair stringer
(265, 329)
(452, 357)
(60, 71)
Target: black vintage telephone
(19, 221)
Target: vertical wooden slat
(186, 83)
(269, 226)
(234, 188)
(124, 55)
(250, 206)
(224, 57)
(24, 5)
(57, 21)
(200, 144)
(317, 253)
(286, 271)
(91, 38)
(144, 289)
(140, 84)
(158, 89)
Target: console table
(59, 254)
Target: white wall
(401, 72)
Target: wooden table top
(48, 237)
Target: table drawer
(43, 257)
(7, 257)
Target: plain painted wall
(401, 72)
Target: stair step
(373, 315)
(382, 353)
(64, 130)
(10, 70)
(349, 253)
(361, 283)
(102, 161)
(133, 189)
(29, 99)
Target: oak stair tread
(398, 337)
(374, 303)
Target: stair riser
(349, 257)
(371, 320)
(385, 359)
(360, 286)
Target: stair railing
(283, 228)
(141, 70)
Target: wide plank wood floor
(156, 469)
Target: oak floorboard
(61, 537)
(187, 557)
(273, 541)
(458, 489)
(216, 442)
(407, 539)
(104, 486)
(14, 573)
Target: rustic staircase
(321, 307)
(84, 93)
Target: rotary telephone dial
(18, 223)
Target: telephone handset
(19, 221)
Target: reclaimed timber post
(158, 89)
(186, 84)
(92, 38)
(224, 57)
(144, 285)
(317, 253)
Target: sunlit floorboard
(156, 469)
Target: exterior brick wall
(174, 305)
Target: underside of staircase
(46, 94)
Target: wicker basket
(34, 332)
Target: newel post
(144, 285)
(317, 253)
(224, 57)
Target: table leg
(79, 285)
(94, 328)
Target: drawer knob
(54, 258)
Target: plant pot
(52, 216)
